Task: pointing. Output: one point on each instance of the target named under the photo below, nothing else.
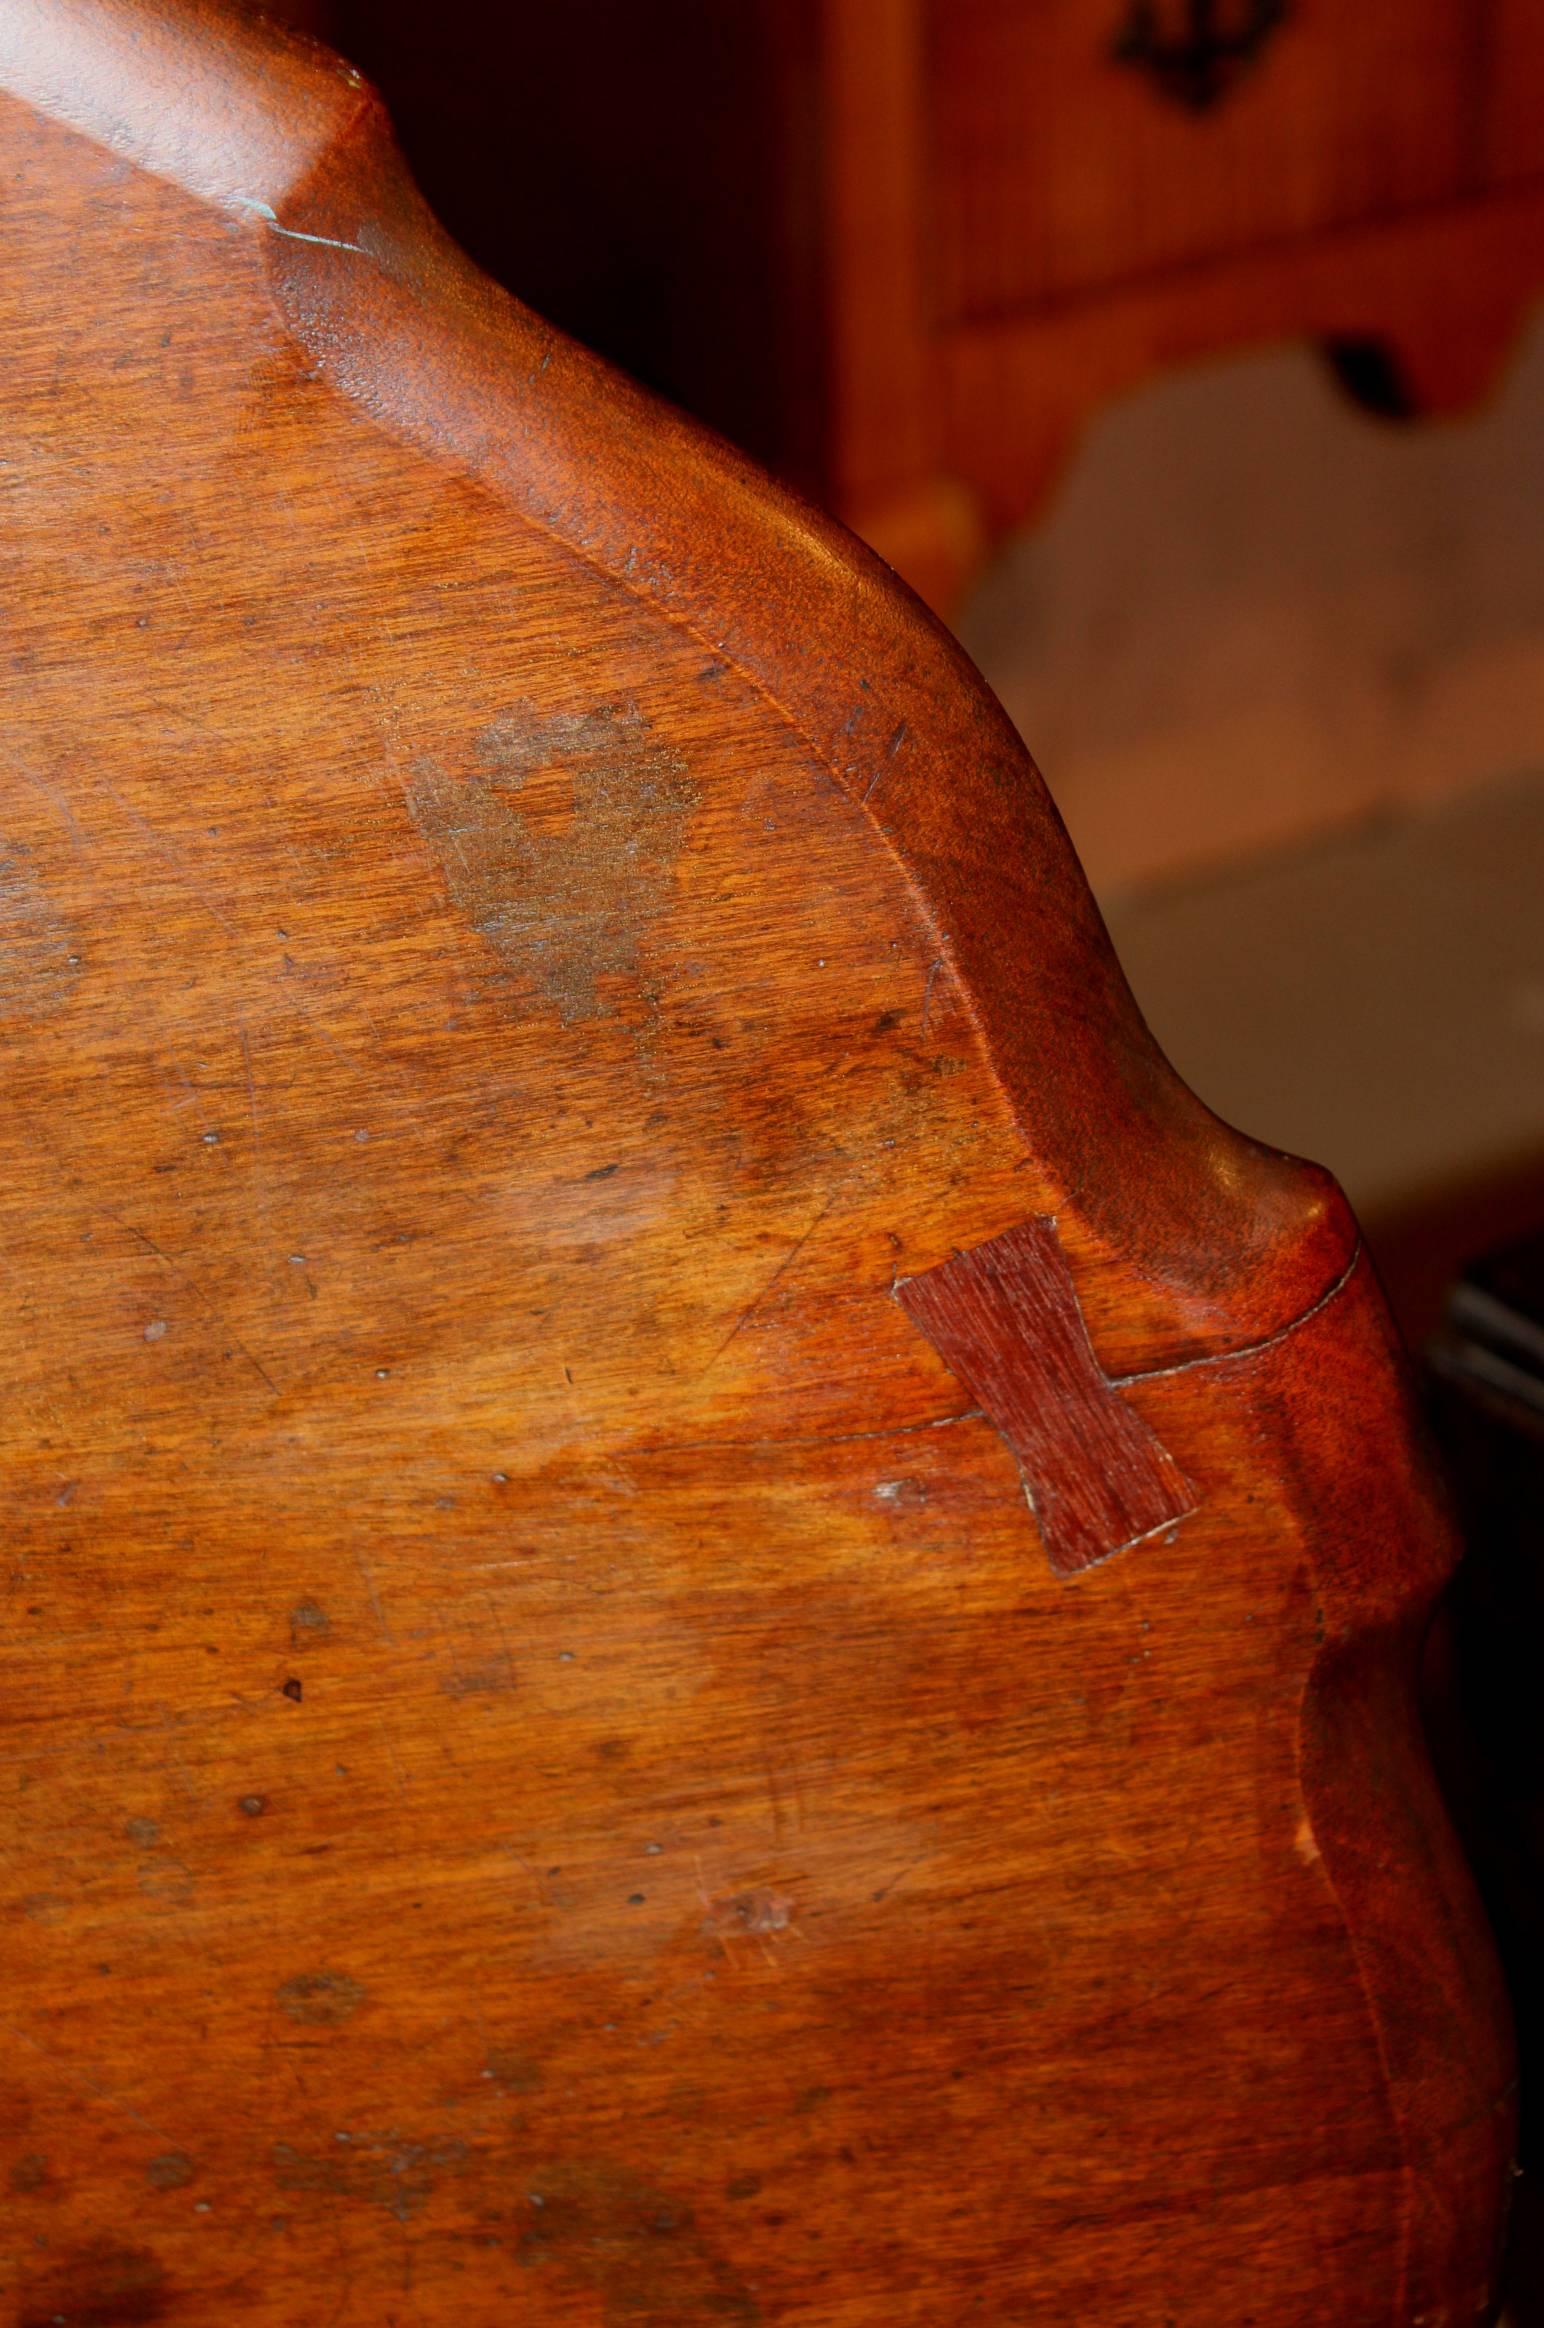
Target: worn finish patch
(560, 845)
(1005, 1318)
(38, 963)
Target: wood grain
(547, 1774)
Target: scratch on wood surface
(377, 1610)
(270, 219)
(106, 1210)
(1005, 1318)
(172, 857)
(927, 992)
(776, 1278)
(893, 743)
(781, 1442)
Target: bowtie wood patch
(1005, 1318)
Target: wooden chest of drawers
(1072, 150)
(901, 249)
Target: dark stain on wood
(608, 2229)
(172, 2171)
(321, 1999)
(308, 1623)
(512, 2071)
(99, 2286)
(1005, 1318)
(559, 846)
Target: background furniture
(711, 1612)
(1487, 1394)
(1488, 1369)
(901, 249)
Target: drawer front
(1077, 143)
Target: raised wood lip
(233, 109)
(1233, 1241)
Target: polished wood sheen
(710, 1611)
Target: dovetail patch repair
(1006, 1321)
(559, 845)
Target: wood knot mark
(560, 845)
(1005, 1318)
